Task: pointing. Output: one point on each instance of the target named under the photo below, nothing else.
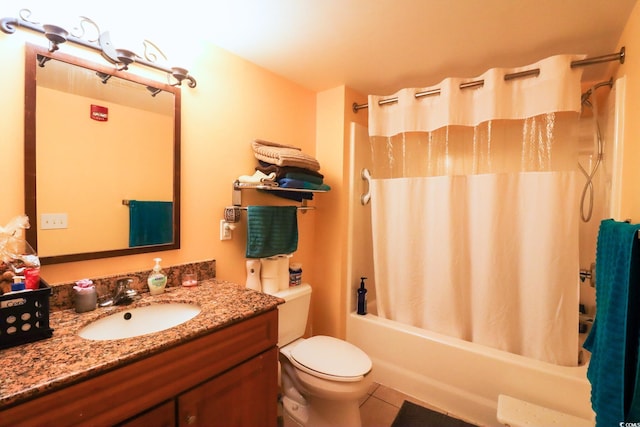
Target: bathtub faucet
(589, 274)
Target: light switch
(53, 221)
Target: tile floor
(380, 406)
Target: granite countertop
(65, 358)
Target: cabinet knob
(191, 419)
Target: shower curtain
(475, 209)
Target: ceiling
(381, 46)
(378, 46)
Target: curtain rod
(618, 56)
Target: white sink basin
(139, 321)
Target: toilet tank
(293, 314)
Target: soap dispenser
(157, 279)
(362, 297)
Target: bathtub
(463, 378)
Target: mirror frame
(32, 53)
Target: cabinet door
(160, 416)
(243, 396)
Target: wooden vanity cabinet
(161, 416)
(226, 378)
(235, 398)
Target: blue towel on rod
(614, 337)
(271, 230)
(150, 223)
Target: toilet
(322, 378)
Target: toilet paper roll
(270, 285)
(275, 273)
(269, 267)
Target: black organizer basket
(24, 316)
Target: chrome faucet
(124, 294)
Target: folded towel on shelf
(613, 340)
(271, 230)
(258, 177)
(283, 155)
(295, 183)
(291, 172)
(150, 223)
(301, 176)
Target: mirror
(102, 160)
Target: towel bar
(300, 208)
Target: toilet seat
(331, 358)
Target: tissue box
(24, 316)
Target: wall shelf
(239, 186)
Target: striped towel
(283, 155)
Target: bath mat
(412, 415)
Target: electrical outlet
(54, 221)
(225, 230)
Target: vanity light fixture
(121, 58)
(55, 35)
(179, 74)
(125, 57)
(153, 90)
(104, 77)
(43, 60)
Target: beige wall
(334, 113)
(327, 309)
(630, 205)
(235, 101)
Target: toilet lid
(331, 357)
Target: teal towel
(613, 340)
(150, 223)
(301, 176)
(271, 230)
(295, 183)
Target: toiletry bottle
(157, 279)
(362, 297)
(295, 274)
